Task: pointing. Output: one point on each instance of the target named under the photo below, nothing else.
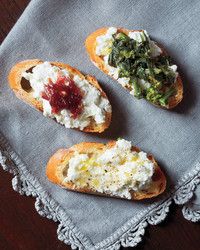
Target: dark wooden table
(22, 228)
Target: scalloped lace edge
(128, 236)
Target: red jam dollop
(64, 94)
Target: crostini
(116, 169)
(62, 93)
(137, 63)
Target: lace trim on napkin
(127, 236)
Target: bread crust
(15, 78)
(56, 170)
(90, 44)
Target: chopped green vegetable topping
(164, 99)
(137, 89)
(134, 61)
(155, 96)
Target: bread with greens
(139, 64)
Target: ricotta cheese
(143, 84)
(138, 36)
(173, 67)
(155, 50)
(104, 42)
(124, 81)
(40, 76)
(94, 105)
(115, 171)
(112, 71)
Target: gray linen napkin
(56, 30)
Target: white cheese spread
(115, 171)
(104, 42)
(94, 105)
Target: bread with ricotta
(63, 93)
(116, 169)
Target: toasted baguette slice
(98, 61)
(24, 91)
(56, 170)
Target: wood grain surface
(21, 228)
